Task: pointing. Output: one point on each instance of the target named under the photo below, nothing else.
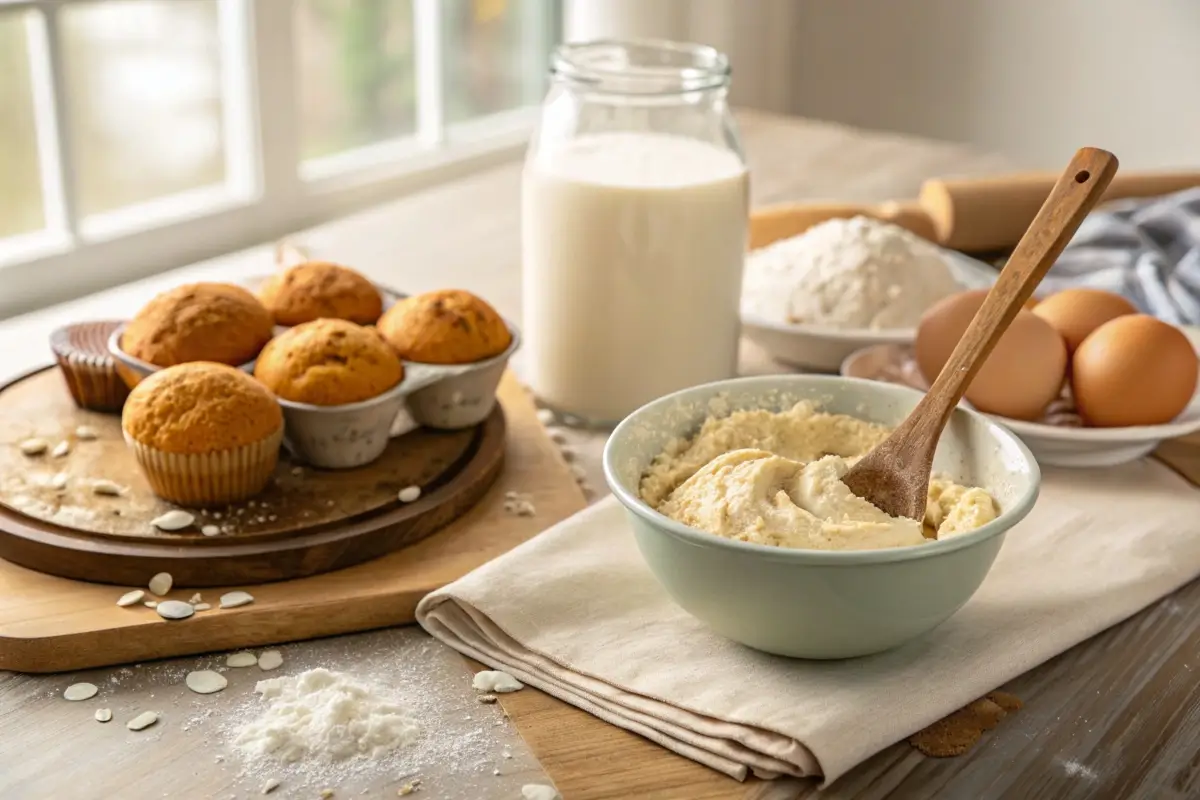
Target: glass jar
(635, 204)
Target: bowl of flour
(812, 299)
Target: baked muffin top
(200, 407)
(328, 362)
(217, 322)
(319, 289)
(448, 326)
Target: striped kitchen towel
(1145, 249)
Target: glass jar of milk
(635, 201)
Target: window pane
(143, 81)
(355, 80)
(20, 183)
(497, 53)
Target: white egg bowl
(1054, 445)
(819, 348)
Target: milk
(633, 246)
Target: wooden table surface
(1118, 716)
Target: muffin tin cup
(133, 370)
(345, 436)
(90, 372)
(461, 395)
(208, 479)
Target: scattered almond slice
(175, 609)
(107, 488)
(235, 599)
(103, 714)
(539, 791)
(210, 530)
(205, 681)
(173, 520)
(151, 604)
(80, 691)
(201, 607)
(269, 660)
(242, 659)
(410, 494)
(270, 786)
(495, 682)
(326, 794)
(61, 449)
(142, 721)
(33, 447)
(85, 433)
(161, 583)
(130, 598)
(196, 598)
(59, 481)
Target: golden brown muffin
(328, 362)
(318, 289)
(217, 322)
(449, 326)
(203, 433)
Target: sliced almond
(103, 714)
(33, 447)
(142, 721)
(270, 786)
(269, 660)
(205, 681)
(151, 604)
(161, 583)
(242, 659)
(85, 433)
(130, 598)
(108, 488)
(410, 494)
(235, 599)
(61, 449)
(80, 691)
(175, 609)
(210, 530)
(196, 598)
(173, 520)
(201, 607)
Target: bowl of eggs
(1080, 376)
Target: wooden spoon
(894, 476)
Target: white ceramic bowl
(811, 603)
(823, 349)
(1054, 445)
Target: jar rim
(640, 66)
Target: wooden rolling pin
(983, 215)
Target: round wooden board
(306, 522)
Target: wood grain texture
(49, 624)
(894, 476)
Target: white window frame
(268, 192)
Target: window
(141, 135)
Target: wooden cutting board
(52, 624)
(305, 522)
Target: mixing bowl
(814, 603)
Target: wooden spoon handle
(1077, 191)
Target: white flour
(848, 274)
(326, 716)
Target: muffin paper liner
(209, 479)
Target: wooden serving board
(52, 624)
(306, 522)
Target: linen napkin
(575, 613)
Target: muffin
(92, 376)
(203, 433)
(318, 289)
(328, 362)
(217, 322)
(449, 326)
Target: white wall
(1033, 79)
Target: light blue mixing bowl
(813, 603)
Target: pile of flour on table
(325, 716)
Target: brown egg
(1133, 370)
(1075, 313)
(1022, 375)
